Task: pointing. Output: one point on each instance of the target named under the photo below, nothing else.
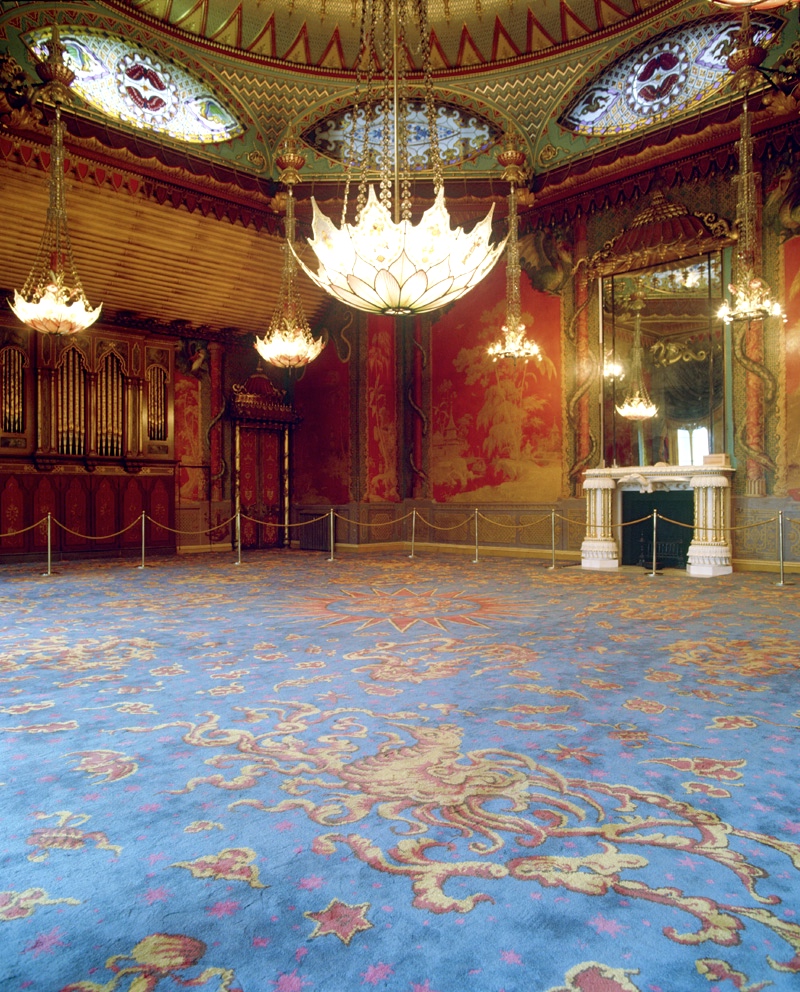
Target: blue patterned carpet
(297, 775)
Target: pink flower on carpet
(45, 943)
(510, 957)
(425, 987)
(602, 925)
(261, 941)
(377, 973)
(226, 907)
(150, 808)
(290, 983)
(159, 894)
(168, 670)
(311, 883)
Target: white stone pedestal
(710, 550)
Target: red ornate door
(260, 486)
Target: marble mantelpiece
(710, 550)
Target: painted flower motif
(136, 708)
(706, 767)
(168, 670)
(644, 705)
(706, 789)
(233, 864)
(733, 723)
(110, 766)
(654, 675)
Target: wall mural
(381, 463)
(791, 258)
(188, 440)
(496, 426)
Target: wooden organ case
(87, 436)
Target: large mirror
(664, 352)
(664, 363)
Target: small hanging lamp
(637, 404)
(289, 341)
(52, 301)
(513, 344)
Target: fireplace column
(599, 549)
(710, 550)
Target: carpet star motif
(403, 608)
(341, 919)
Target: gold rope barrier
(367, 523)
(49, 519)
(88, 537)
(23, 530)
(278, 523)
(466, 520)
(173, 530)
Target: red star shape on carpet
(340, 919)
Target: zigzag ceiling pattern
(324, 33)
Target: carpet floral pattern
(297, 775)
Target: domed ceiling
(588, 85)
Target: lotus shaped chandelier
(384, 263)
(52, 301)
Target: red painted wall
(321, 459)
(496, 426)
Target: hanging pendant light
(513, 344)
(52, 301)
(383, 263)
(289, 341)
(751, 297)
(637, 404)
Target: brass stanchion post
(475, 559)
(238, 537)
(332, 534)
(650, 575)
(780, 550)
(144, 517)
(553, 538)
(413, 530)
(49, 547)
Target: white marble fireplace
(710, 550)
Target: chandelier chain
(387, 56)
(421, 14)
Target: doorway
(260, 482)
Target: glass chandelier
(513, 343)
(289, 342)
(383, 263)
(751, 297)
(637, 404)
(52, 301)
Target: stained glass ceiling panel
(130, 83)
(665, 78)
(462, 134)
